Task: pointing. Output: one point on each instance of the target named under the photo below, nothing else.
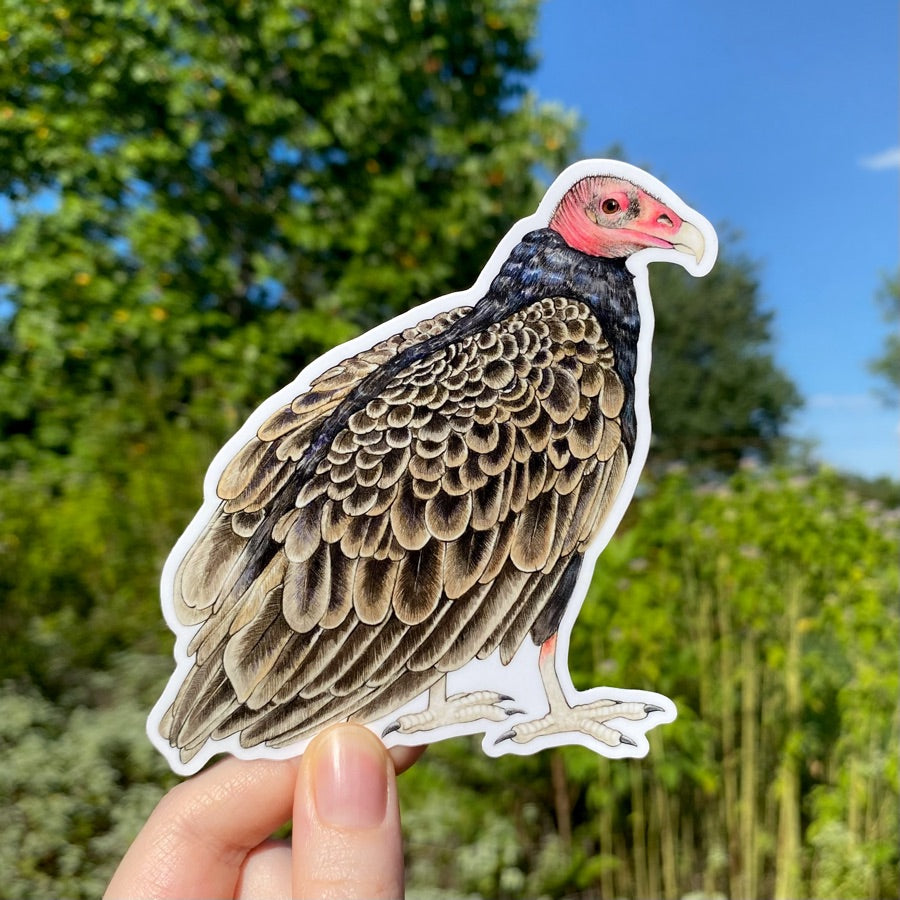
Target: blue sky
(778, 120)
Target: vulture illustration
(403, 536)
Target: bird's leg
(587, 718)
(458, 709)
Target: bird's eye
(610, 206)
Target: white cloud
(846, 402)
(887, 159)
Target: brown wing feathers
(435, 526)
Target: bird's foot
(588, 718)
(458, 709)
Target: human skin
(211, 835)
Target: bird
(434, 498)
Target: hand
(210, 836)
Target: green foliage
(765, 606)
(80, 560)
(716, 395)
(204, 196)
(229, 188)
(76, 783)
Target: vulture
(435, 497)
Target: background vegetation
(202, 196)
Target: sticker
(403, 536)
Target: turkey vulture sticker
(403, 536)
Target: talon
(514, 712)
(649, 708)
(507, 735)
(394, 726)
(624, 739)
(503, 698)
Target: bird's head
(613, 218)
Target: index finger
(198, 837)
(200, 833)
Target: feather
(446, 517)
(283, 721)
(279, 423)
(262, 496)
(215, 703)
(587, 433)
(312, 658)
(340, 599)
(283, 668)
(538, 433)
(452, 628)
(558, 454)
(610, 481)
(245, 468)
(334, 522)
(408, 518)
(415, 637)
(511, 630)
(498, 374)
(610, 440)
(425, 490)
(354, 536)
(293, 446)
(393, 695)
(495, 461)
(376, 530)
(251, 651)
(384, 647)
(419, 583)
(566, 507)
(244, 524)
(562, 401)
(486, 502)
(457, 451)
(393, 465)
(612, 399)
(537, 476)
(305, 534)
(235, 615)
(593, 378)
(437, 429)
(373, 587)
(466, 559)
(471, 473)
(360, 500)
(534, 534)
(367, 477)
(208, 570)
(307, 589)
(427, 469)
(491, 609)
(341, 659)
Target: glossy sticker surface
(404, 535)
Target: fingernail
(350, 779)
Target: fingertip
(404, 757)
(346, 837)
(350, 772)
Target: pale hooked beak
(688, 239)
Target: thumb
(346, 832)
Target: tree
(204, 196)
(210, 193)
(716, 393)
(765, 605)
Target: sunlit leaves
(763, 562)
